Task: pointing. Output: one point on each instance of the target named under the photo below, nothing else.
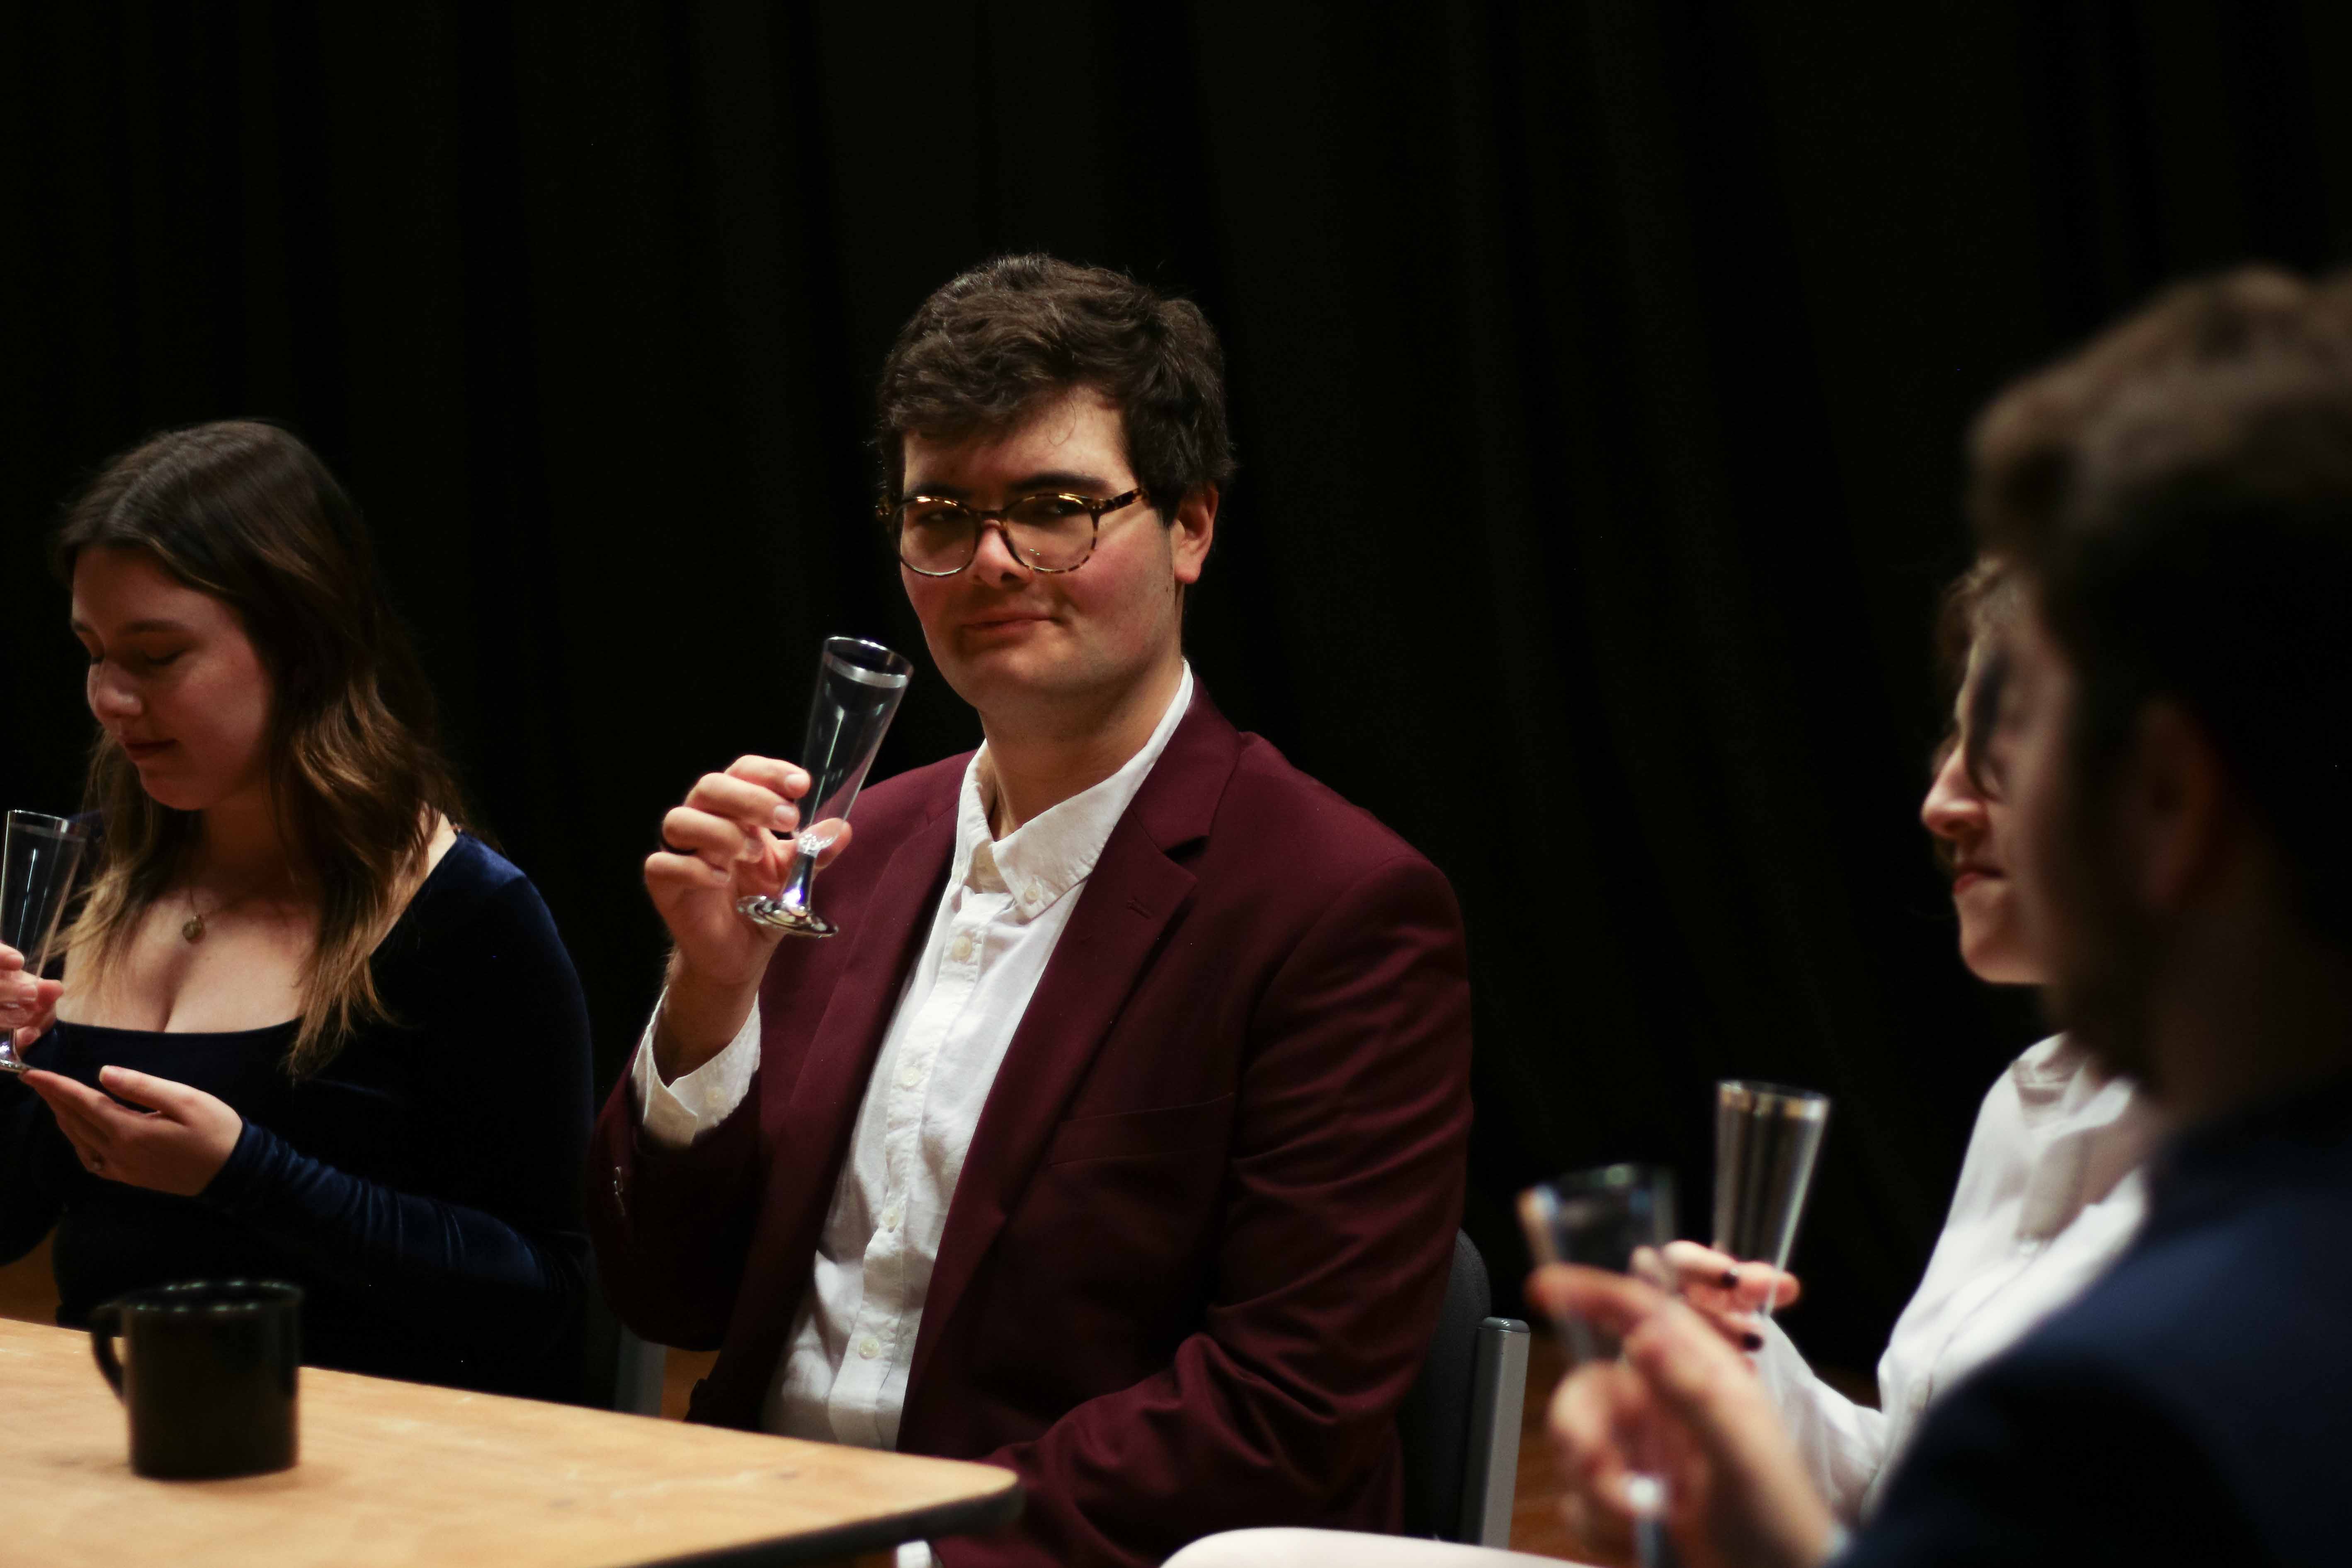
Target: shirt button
(909, 1076)
(963, 948)
(1031, 897)
(869, 1347)
(890, 1217)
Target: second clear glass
(1766, 1138)
(37, 863)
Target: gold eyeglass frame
(888, 510)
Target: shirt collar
(1039, 862)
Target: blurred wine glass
(1620, 1218)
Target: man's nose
(994, 559)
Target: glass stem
(795, 892)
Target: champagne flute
(37, 872)
(1620, 1218)
(859, 685)
(1767, 1137)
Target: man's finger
(717, 841)
(787, 779)
(1611, 1303)
(1692, 1371)
(741, 801)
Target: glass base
(777, 915)
(9, 1060)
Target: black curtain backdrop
(1599, 371)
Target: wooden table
(404, 1473)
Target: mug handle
(105, 1322)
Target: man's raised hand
(733, 836)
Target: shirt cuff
(676, 1114)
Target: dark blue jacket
(2195, 1407)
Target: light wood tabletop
(405, 1473)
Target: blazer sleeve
(1343, 1196)
(672, 1227)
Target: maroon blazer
(1194, 1258)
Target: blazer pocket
(1136, 1134)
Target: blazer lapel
(1133, 893)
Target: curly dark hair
(991, 346)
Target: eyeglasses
(1049, 532)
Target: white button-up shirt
(2051, 1192)
(843, 1377)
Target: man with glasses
(1118, 1138)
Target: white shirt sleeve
(1842, 1444)
(678, 1114)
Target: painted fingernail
(1731, 1279)
(1752, 1340)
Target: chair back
(1460, 1424)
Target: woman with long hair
(307, 1028)
(2052, 1188)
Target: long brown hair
(245, 512)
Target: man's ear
(1191, 530)
(2174, 808)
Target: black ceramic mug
(210, 1384)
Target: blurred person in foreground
(2051, 1192)
(2174, 734)
(307, 1029)
(1119, 1139)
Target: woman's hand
(172, 1138)
(1727, 1292)
(26, 1001)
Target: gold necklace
(192, 929)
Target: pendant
(193, 930)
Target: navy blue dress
(423, 1188)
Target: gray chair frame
(1460, 1424)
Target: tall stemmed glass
(859, 685)
(1767, 1137)
(37, 872)
(1620, 1218)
